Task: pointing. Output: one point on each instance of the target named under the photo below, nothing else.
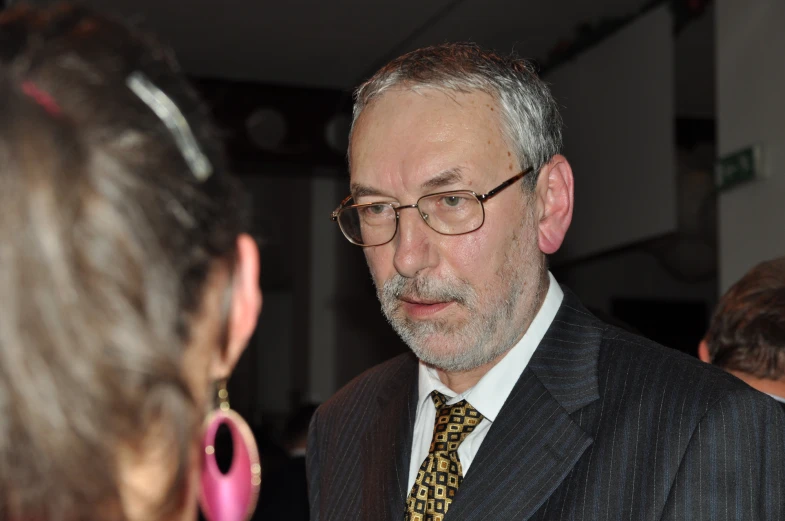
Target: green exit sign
(739, 167)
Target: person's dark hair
(106, 240)
(747, 331)
(530, 119)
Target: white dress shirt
(487, 396)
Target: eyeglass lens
(448, 213)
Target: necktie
(441, 473)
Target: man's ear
(703, 352)
(244, 308)
(555, 199)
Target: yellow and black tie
(441, 473)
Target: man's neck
(462, 381)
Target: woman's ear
(555, 199)
(244, 308)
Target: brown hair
(106, 240)
(747, 331)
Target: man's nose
(414, 250)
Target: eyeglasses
(450, 213)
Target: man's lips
(423, 308)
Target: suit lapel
(387, 446)
(534, 442)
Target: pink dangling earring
(231, 496)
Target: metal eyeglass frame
(481, 198)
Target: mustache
(421, 288)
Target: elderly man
(746, 336)
(516, 403)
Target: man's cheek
(380, 266)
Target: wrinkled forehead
(404, 138)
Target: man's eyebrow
(360, 190)
(444, 178)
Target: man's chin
(446, 356)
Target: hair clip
(173, 118)
(42, 98)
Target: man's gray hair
(530, 115)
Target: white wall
(751, 109)
(618, 107)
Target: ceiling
(336, 43)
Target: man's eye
(374, 210)
(453, 201)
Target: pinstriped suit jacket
(601, 425)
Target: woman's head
(127, 283)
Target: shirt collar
(778, 398)
(495, 386)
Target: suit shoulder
(625, 353)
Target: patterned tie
(441, 473)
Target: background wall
(750, 49)
(618, 107)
